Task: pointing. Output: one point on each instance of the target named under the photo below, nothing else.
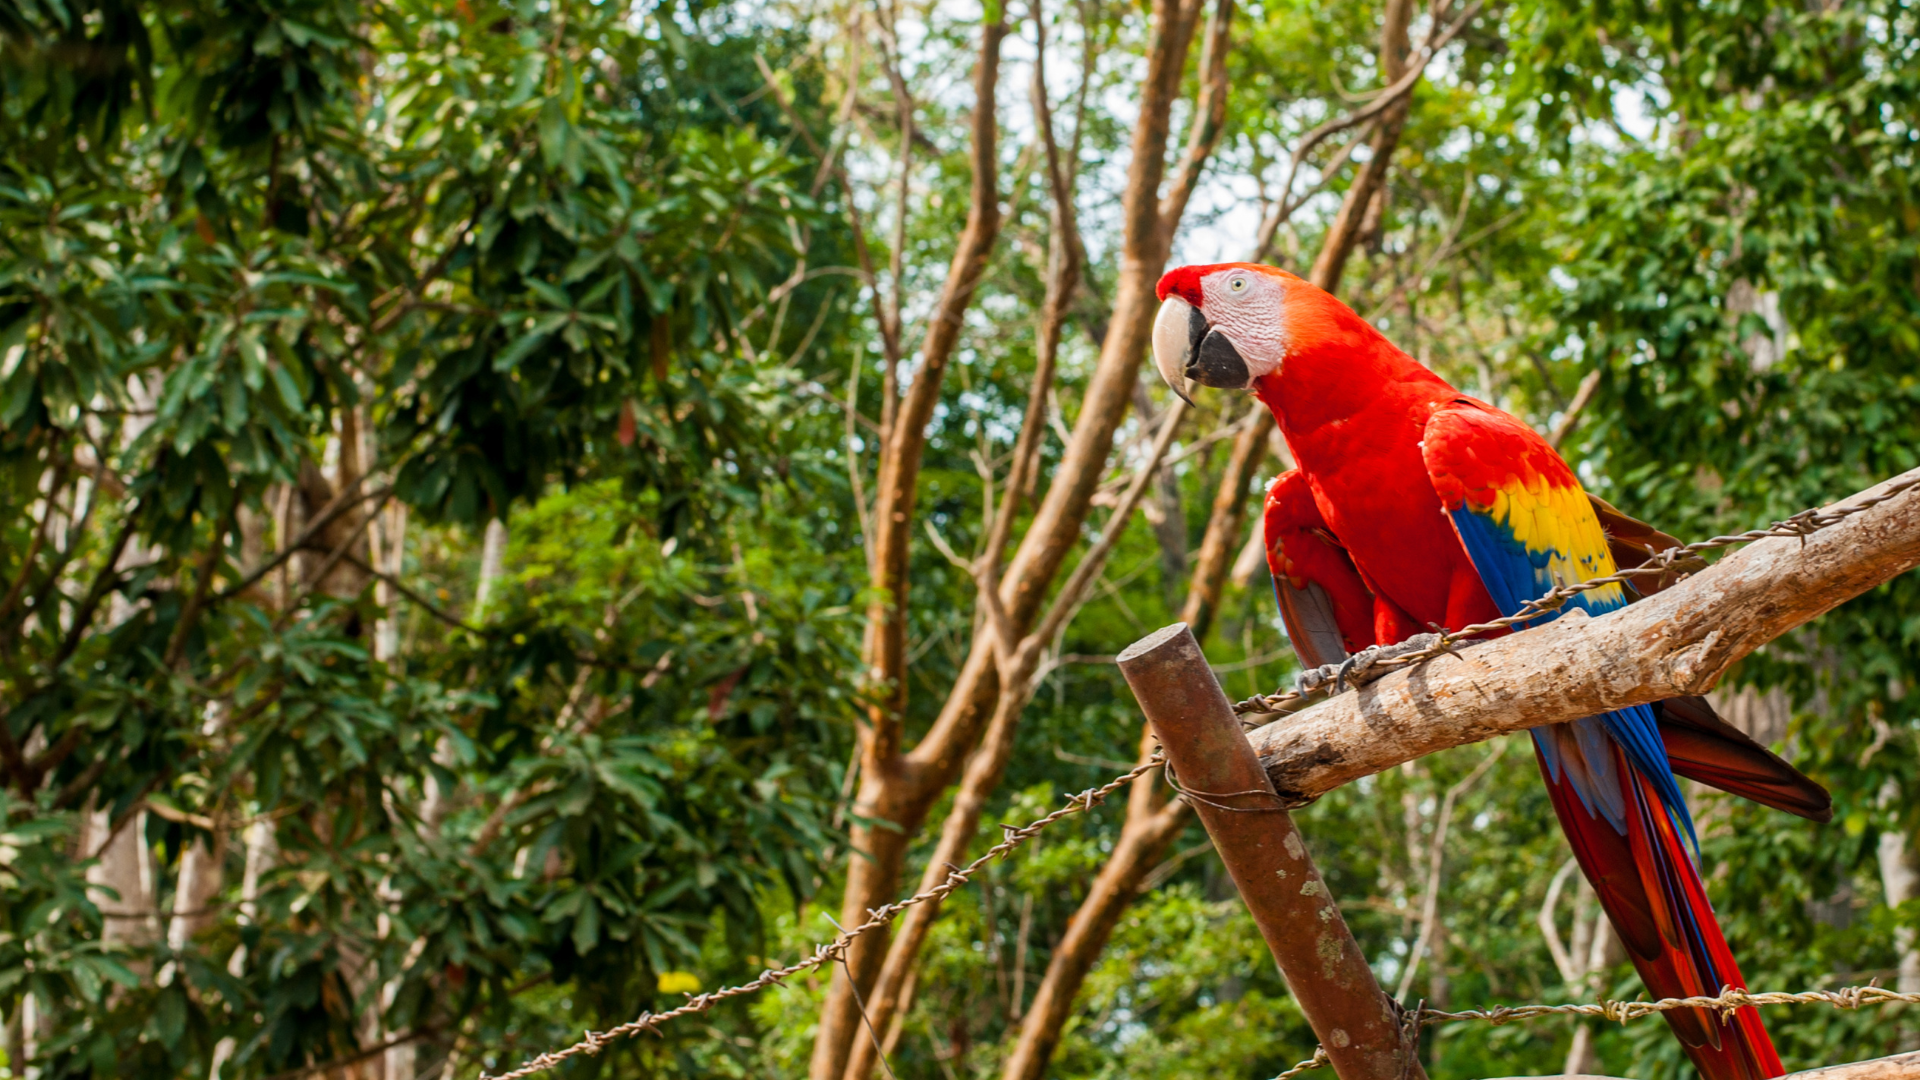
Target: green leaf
(554, 133)
(586, 927)
(525, 345)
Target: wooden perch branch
(1675, 643)
(1897, 1067)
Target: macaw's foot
(1359, 669)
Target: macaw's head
(1225, 325)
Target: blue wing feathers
(1526, 526)
(1513, 576)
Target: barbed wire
(1676, 560)
(591, 1042)
(1729, 999)
(1725, 1002)
(1318, 1059)
(1672, 560)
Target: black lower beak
(1217, 363)
(1187, 348)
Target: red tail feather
(1703, 747)
(1652, 894)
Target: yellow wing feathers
(1557, 521)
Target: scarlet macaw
(1415, 506)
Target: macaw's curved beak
(1187, 347)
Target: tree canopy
(443, 599)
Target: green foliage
(576, 268)
(255, 251)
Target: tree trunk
(389, 557)
(126, 866)
(894, 790)
(1900, 878)
(1595, 949)
(262, 849)
(493, 563)
(901, 787)
(346, 532)
(885, 999)
(36, 1027)
(1149, 826)
(202, 873)
(1019, 665)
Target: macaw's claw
(1361, 668)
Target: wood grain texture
(1897, 1067)
(1361, 1029)
(1678, 642)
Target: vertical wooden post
(1218, 773)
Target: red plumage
(1408, 494)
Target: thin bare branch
(1288, 204)
(1074, 592)
(1549, 928)
(1436, 857)
(1063, 278)
(1571, 419)
(345, 500)
(1392, 98)
(412, 595)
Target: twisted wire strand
(1318, 1059)
(1729, 999)
(1676, 560)
(591, 1042)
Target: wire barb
(1318, 1060)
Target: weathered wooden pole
(1215, 768)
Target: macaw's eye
(1238, 284)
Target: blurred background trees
(451, 592)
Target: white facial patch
(1250, 309)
